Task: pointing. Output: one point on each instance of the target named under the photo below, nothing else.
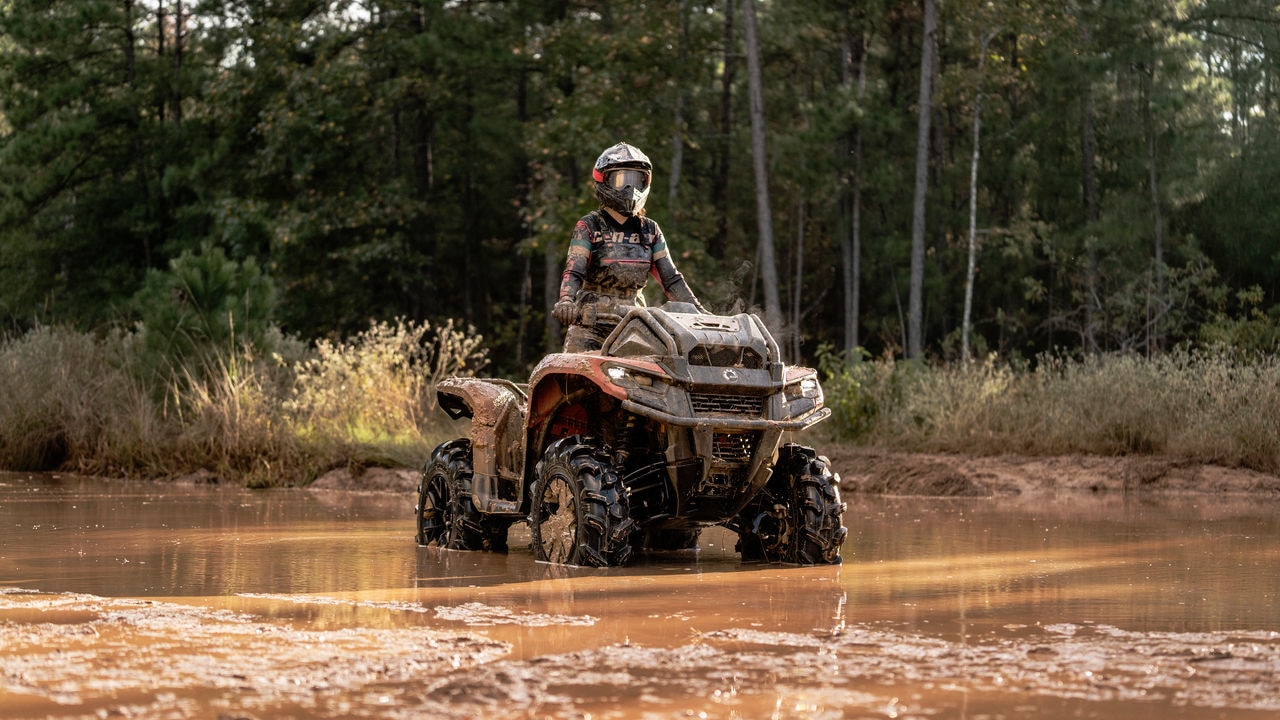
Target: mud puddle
(131, 600)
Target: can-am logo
(730, 374)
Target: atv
(674, 425)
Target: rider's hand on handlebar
(565, 310)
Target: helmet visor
(623, 177)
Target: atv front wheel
(579, 513)
(446, 515)
(796, 518)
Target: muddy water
(129, 599)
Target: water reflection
(1179, 563)
(1182, 563)
(924, 577)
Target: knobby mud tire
(432, 509)
(446, 515)
(797, 517)
(579, 514)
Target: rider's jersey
(615, 260)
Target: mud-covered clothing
(608, 264)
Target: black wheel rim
(434, 510)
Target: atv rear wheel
(446, 515)
(579, 513)
(432, 511)
(797, 517)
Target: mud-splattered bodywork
(693, 408)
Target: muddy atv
(675, 425)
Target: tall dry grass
(1214, 406)
(95, 404)
(372, 398)
(58, 390)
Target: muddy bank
(883, 472)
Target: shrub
(66, 398)
(199, 307)
(1209, 405)
(70, 400)
(374, 394)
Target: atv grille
(735, 448)
(710, 403)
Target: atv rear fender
(497, 411)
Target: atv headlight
(807, 388)
(803, 396)
(622, 377)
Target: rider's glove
(566, 311)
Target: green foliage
(204, 303)
(427, 160)
(83, 211)
(851, 388)
(1251, 332)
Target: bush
(375, 393)
(70, 400)
(202, 305)
(66, 397)
(1210, 405)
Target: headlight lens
(807, 387)
(623, 377)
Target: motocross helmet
(622, 174)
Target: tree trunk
(1155, 339)
(178, 48)
(552, 266)
(716, 247)
(966, 323)
(798, 292)
(1089, 183)
(915, 301)
(764, 216)
(851, 197)
(162, 106)
(526, 300)
(677, 134)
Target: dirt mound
(883, 472)
(378, 479)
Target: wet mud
(124, 600)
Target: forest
(1110, 167)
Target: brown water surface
(149, 600)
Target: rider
(612, 252)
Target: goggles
(622, 177)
